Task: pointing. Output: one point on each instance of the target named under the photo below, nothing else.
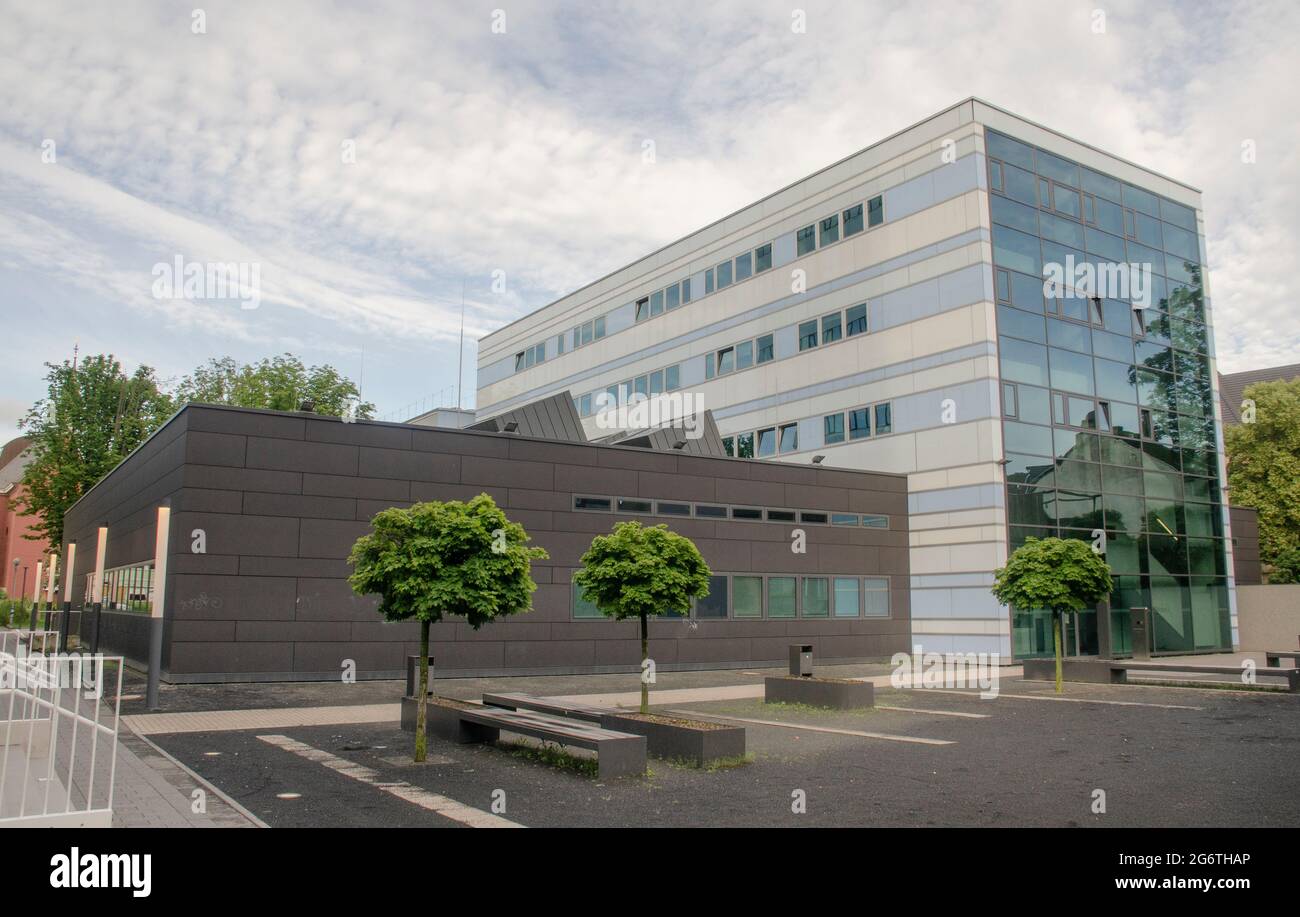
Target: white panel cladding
(785, 341)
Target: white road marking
(448, 808)
(970, 716)
(1072, 700)
(843, 732)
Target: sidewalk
(152, 790)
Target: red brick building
(13, 459)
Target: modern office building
(889, 314)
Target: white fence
(58, 733)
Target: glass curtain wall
(1107, 398)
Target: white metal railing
(59, 717)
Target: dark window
(724, 274)
(633, 506)
(884, 418)
(726, 360)
(831, 328)
(657, 303)
(856, 320)
(767, 442)
(713, 605)
(852, 221)
(744, 355)
(642, 309)
(790, 438)
(833, 425)
(765, 351)
(597, 503)
(673, 296)
(875, 211)
(686, 290)
(780, 515)
(708, 281)
(744, 266)
(745, 445)
(762, 258)
(519, 361)
(674, 509)
(830, 230)
(673, 378)
(859, 424)
(745, 512)
(844, 519)
(876, 522)
(813, 518)
(707, 511)
(805, 240)
(807, 335)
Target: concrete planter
(442, 719)
(698, 744)
(833, 693)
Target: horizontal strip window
(777, 597)
(747, 264)
(637, 506)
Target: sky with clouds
(374, 160)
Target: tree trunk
(1056, 639)
(422, 698)
(645, 654)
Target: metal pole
(162, 533)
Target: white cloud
(522, 151)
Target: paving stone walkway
(152, 790)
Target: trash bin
(801, 660)
(413, 675)
(1140, 630)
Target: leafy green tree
(278, 383)
(638, 571)
(1059, 574)
(438, 559)
(91, 418)
(1285, 567)
(1264, 465)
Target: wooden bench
(1274, 659)
(618, 754)
(1119, 671)
(565, 709)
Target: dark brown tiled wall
(282, 498)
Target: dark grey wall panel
(283, 497)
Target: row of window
(756, 351)
(863, 422)
(645, 507)
(1010, 159)
(740, 596)
(831, 229)
(668, 379)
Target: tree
(1059, 574)
(438, 559)
(639, 571)
(1285, 567)
(93, 416)
(279, 383)
(1264, 465)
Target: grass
(783, 706)
(553, 756)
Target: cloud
(522, 152)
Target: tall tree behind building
(92, 417)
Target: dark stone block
(835, 694)
(676, 742)
(291, 455)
